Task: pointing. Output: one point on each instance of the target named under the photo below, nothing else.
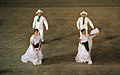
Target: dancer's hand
(46, 31)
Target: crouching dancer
(33, 52)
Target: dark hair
(36, 30)
(82, 30)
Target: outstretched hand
(46, 31)
(79, 30)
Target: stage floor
(61, 41)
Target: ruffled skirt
(32, 55)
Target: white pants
(41, 34)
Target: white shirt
(84, 38)
(35, 39)
(39, 25)
(85, 26)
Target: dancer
(39, 22)
(85, 46)
(83, 22)
(33, 52)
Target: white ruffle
(32, 55)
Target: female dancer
(85, 45)
(33, 52)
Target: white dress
(83, 55)
(32, 54)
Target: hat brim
(39, 12)
(83, 13)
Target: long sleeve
(46, 23)
(80, 35)
(90, 23)
(34, 22)
(78, 24)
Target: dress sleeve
(90, 23)
(31, 38)
(78, 23)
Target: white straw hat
(83, 12)
(39, 11)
